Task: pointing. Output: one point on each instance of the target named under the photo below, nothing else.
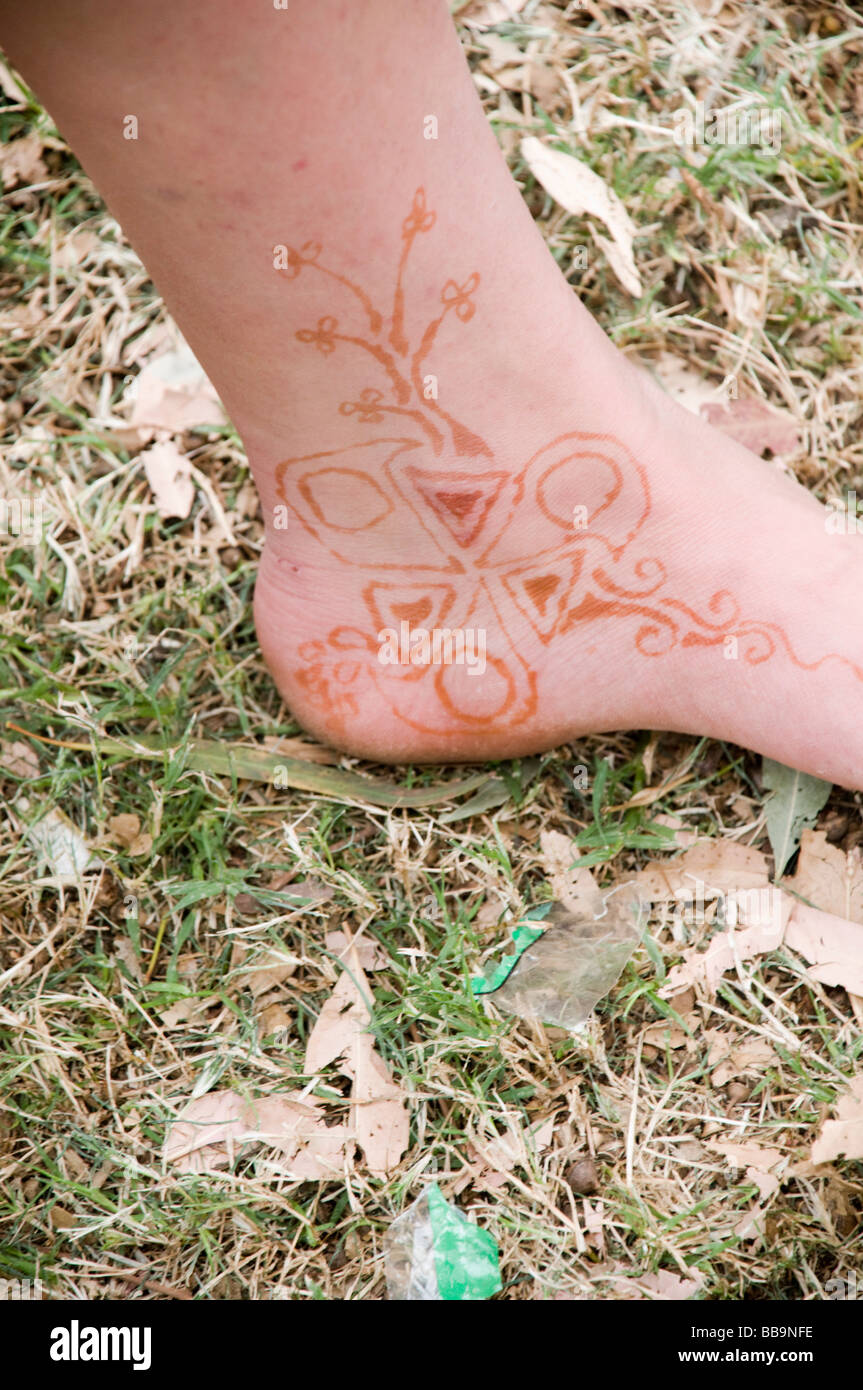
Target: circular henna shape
(595, 486)
(345, 499)
(476, 700)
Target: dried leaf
(125, 829)
(831, 946)
(828, 878)
(485, 14)
(574, 887)
(266, 970)
(343, 1015)
(720, 866)
(206, 1133)
(170, 477)
(728, 1059)
(704, 969)
(576, 187)
(755, 424)
(370, 953)
(61, 846)
(172, 392)
(213, 1128)
(19, 758)
(843, 1137)
(21, 161)
(379, 1117)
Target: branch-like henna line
(451, 523)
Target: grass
(121, 1000)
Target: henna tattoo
(452, 529)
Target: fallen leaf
(727, 1059)
(704, 969)
(688, 387)
(500, 1154)
(370, 953)
(755, 424)
(274, 1018)
(213, 1128)
(719, 866)
(831, 946)
(843, 1137)
(574, 887)
(21, 161)
(170, 477)
(125, 830)
(343, 1015)
(61, 846)
(266, 970)
(576, 187)
(763, 1168)
(668, 1286)
(795, 800)
(124, 951)
(206, 1133)
(183, 1011)
(172, 392)
(296, 1127)
(19, 758)
(828, 877)
(379, 1117)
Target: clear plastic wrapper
(563, 963)
(434, 1254)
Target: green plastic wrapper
(563, 963)
(434, 1254)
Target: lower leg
(455, 444)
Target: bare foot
(602, 560)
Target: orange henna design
(456, 527)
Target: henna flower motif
(307, 255)
(322, 336)
(458, 297)
(419, 219)
(366, 407)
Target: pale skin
(439, 432)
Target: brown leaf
(21, 161)
(19, 758)
(728, 1059)
(829, 878)
(170, 477)
(576, 187)
(206, 1133)
(267, 970)
(379, 1116)
(370, 953)
(574, 887)
(172, 392)
(125, 830)
(755, 424)
(211, 1129)
(831, 946)
(721, 866)
(843, 1137)
(485, 14)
